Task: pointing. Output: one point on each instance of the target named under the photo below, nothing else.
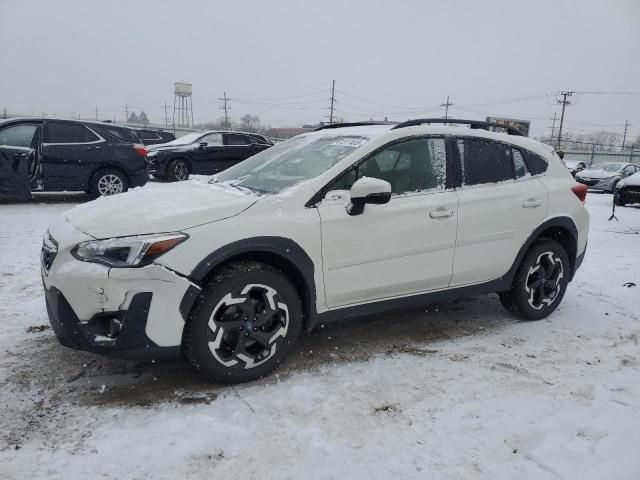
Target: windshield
(612, 167)
(186, 139)
(291, 162)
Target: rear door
(500, 204)
(70, 154)
(18, 158)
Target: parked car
(203, 153)
(339, 222)
(154, 137)
(628, 190)
(69, 155)
(575, 166)
(605, 176)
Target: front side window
(484, 161)
(62, 132)
(410, 166)
(18, 135)
(291, 162)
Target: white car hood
(165, 208)
(597, 174)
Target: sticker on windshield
(354, 142)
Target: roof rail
(474, 124)
(350, 124)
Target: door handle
(531, 203)
(441, 213)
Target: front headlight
(152, 154)
(620, 184)
(123, 252)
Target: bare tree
(250, 123)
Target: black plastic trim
(474, 124)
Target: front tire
(540, 282)
(618, 199)
(178, 170)
(245, 322)
(108, 182)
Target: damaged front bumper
(123, 312)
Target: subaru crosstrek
(344, 221)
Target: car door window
(62, 132)
(18, 135)
(411, 166)
(484, 161)
(629, 170)
(235, 139)
(212, 139)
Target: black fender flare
(284, 248)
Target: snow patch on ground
(459, 390)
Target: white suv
(343, 221)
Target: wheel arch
(561, 229)
(278, 252)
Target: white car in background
(343, 221)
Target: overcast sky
(277, 58)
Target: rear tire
(107, 182)
(178, 170)
(244, 323)
(540, 282)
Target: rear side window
(519, 166)
(235, 139)
(147, 135)
(484, 161)
(18, 135)
(62, 132)
(536, 163)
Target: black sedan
(203, 153)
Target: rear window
(63, 132)
(484, 161)
(147, 135)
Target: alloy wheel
(544, 280)
(181, 171)
(110, 184)
(247, 326)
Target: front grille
(49, 252)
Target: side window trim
(100, 139)
(449, 185)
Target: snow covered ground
(460, 390)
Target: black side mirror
(368, 190)
(203, 144)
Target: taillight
(140, 150)
(580, 190)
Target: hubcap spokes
(544, 280)
(244, 328)
(110, 185)
(180, 171)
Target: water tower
(182, 104)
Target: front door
(206, 156)
(401, 248)
(18, 158)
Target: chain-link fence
(592, 153)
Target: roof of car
(71, 120)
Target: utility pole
(553, 126)
(96, 114)
(565, 101)
(333, 99)
(166, 115)
(624, 137)
(126, 112)
(226, 109)
(446, 108)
